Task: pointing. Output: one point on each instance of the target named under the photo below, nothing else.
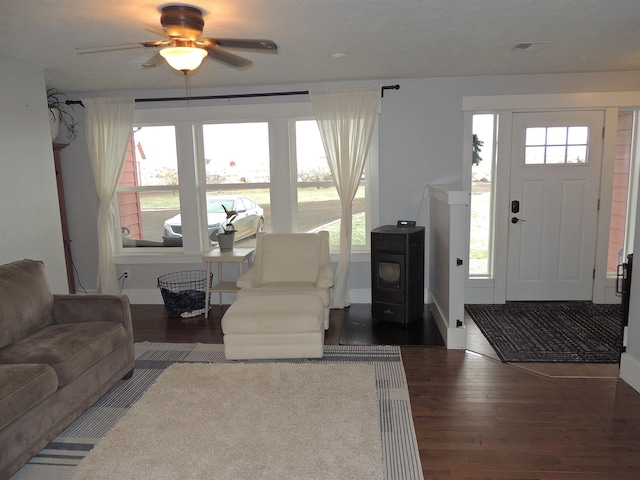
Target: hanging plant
(60, 109)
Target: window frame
(223, 187)
(141, 189)
(192, 191)
(491, 228)
(548, 144)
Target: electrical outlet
(125, 274)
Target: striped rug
(400, 450)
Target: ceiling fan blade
(109, 48)
(157, 43)
(228, 58)
(155, 30)
(153, 61)
(245, 43)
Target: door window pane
(578, 135)
(556, 154)
(556, 145)
(557, 136)
(536, 136)
(576, 154)
(534, 155)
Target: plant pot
(225, 241)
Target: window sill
(157, 256)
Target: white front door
(556, 160)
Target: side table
(237, 255)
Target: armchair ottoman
(274, 326)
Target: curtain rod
(225, 97)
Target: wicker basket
(184, 292)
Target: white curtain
(108, 126)
(346, 118)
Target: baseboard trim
(454, 338)
(148, 296)
(630, 371)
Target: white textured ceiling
(385, 39)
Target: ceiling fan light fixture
(183, 59)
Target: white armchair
(290, 264)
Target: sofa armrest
(249, 279)
(92, 308)
(325, 277)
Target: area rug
(268, 421)
(391, 445)
(574, 332)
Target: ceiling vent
(528, 46)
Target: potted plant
(228, 233)
(59, 114)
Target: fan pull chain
(187, 83)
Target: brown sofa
(58, 355)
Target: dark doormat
(572, 332)
(360, 328)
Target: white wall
(29, 212)
(421, 142)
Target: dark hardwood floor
(477, 418)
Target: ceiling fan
(184, 49)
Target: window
(148, 190)
(318, 201)
(625, 190)
(237, 176)
(484, 127)
(265, 162)
(556, 145)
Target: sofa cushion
(26, 302)
(22, 387)
(69, 348)
(288, 288)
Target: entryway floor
(476, 342)
(360, 328)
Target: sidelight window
(484, 128)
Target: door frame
(493, 290)
(552, 222)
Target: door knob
(516, 220)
